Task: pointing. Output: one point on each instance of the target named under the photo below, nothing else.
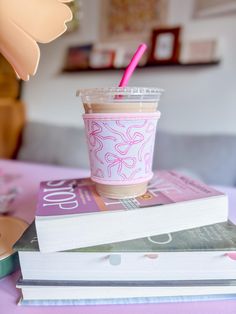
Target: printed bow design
(96, 129)
(125, 146)
(149, 130)
(148, 162)
(114, 160)
(95, 138)
(99, 173)
(128, 140)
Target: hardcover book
(116, 301)
(54, 291)
(70, 214)
(205, 253)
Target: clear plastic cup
(120, 126)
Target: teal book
(195, 254)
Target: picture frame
(77, 57)
(101, 59)
(131, 19)
(213, 8)
(199, 51)
(165, 45)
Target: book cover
(173, 202)
(78, 196)
(216, 237)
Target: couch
(211, 158)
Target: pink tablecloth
(28, 177)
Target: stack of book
(173, 243)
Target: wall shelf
(147, 66)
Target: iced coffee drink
(120, 126)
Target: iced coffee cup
(120, 125)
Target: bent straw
(132, 65)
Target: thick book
(46, 290)
(196, 254)
(70, 214)
(116, 301)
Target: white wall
(196, 99)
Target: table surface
(28, 177)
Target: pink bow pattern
(124, 147)
(151, 131)
(120, 149)
(148, 162)
(114, 160)
(128, 139)
(99, 173)
(95, 138)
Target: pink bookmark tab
(231, 255)
(151, 255)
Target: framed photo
(211, 8)
(78, 57)
(165, 45)
(194, 51)
(131, 19)
(101, 59)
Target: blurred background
(191, 55)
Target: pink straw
(132, 65)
